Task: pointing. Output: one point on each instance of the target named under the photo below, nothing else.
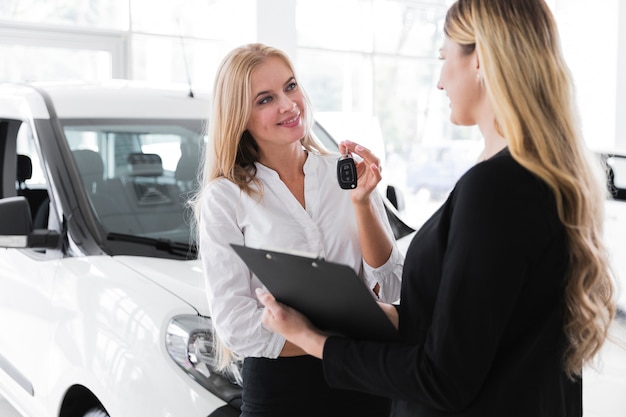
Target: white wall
(620, 90)
(276, 24)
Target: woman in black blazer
(506, 290)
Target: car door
(26, 277)
(25, 289)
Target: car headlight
(189, 341)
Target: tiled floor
(604, 390)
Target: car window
(25, 146)
(138, 173)
(30, 181)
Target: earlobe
(477, 66)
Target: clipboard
(331, 295)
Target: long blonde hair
(231, 151)
(531, 89)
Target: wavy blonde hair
(231, 151)
(529, 84)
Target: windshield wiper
(176, 248)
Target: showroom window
(95, 14)
(379, 57)
(25, 63)
(376, 58)
(162, 41)
(383, 61)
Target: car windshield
(138, 174)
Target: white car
(615, 224)
(102, 300)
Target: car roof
(115, 99)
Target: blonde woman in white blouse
(268, 183)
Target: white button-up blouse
(327, 228)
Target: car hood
(184, 279)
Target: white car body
(119, 343)
(81, 327)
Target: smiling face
(276, 117)
(459, 78)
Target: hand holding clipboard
(331, 295)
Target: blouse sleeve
(388, 275)
(235, 311)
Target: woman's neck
(494, 142)
(287, 162)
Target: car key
(346, 172)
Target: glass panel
(20, 63)
(397, 84)
(404, 90)
(233, 20)
(138, 173)
(116, 140)
(394, 79)
(336, 81)
(164, 59)
(319, 72)
(408, 28)
(340, 25)
(103, 14)
(399, 27)
(425, 153)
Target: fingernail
(259, 291)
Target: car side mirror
(395, 197)
(616, 176)
(16, 227)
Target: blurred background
(370, 66)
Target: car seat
(155, 197)
(24, 171)
(188, 165)
(107, 195)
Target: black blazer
(481, 313)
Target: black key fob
(346, 172)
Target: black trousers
(295, 387)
